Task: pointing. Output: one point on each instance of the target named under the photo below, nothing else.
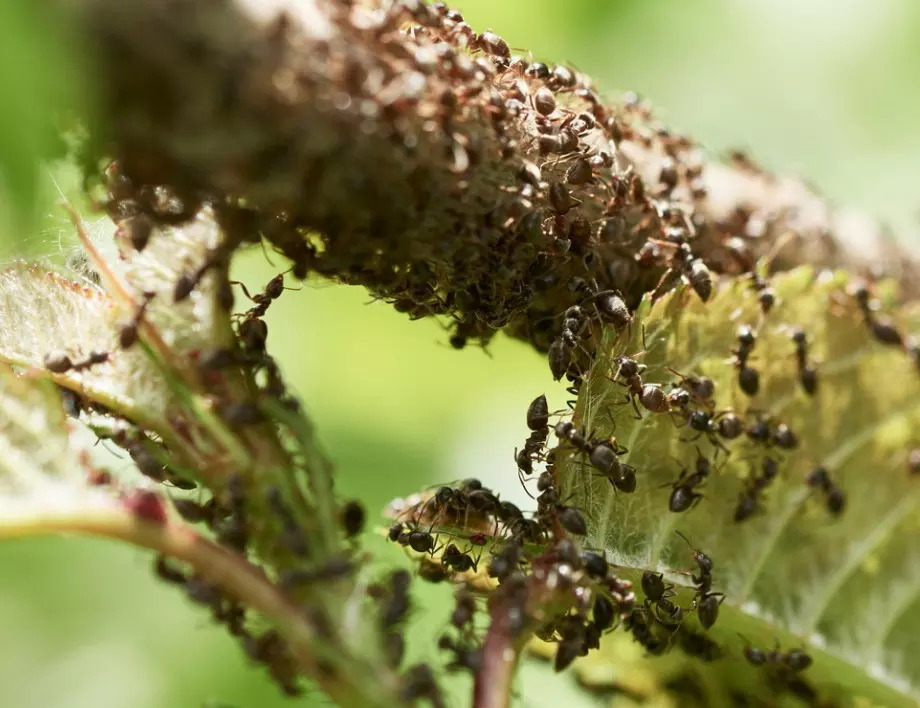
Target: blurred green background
(829, 89)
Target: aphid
(147, 506)
(395, 531)
(747, 505)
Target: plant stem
(349, 684)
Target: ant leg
(245, 290)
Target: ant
(683, 496)
(560, 355)
(684, 263)
(701, 388)
(706, 601)
(629, 374)
(127, 335)
(882, 329)
(748, 377)
(61, 363)
(465, 656)
(273, 290)
(602, 454)
(419, 682)
(538, 423)
(808, 375)
(796, 660)
(704, 422)
(749, 498)
(834, 497)
(765, 293)
(459, 562)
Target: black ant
(701, 388)
(127, 335)
(683, 496)
(684, 263)
(704, 422)
(419, 682)
(834, 497)
(795, 660)
(808, 375)
(765, 294)
(629, 374)
(574, 327)
(262, 300)
(457, 561)
(749, 498)
(883, 330)
(602, 454)
(707, 602)
(748, 377)
(465, 656)
(61, 363)
(538, 423)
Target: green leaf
(847, 588)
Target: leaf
(41, 474)
(847, 588)
(43, 313)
